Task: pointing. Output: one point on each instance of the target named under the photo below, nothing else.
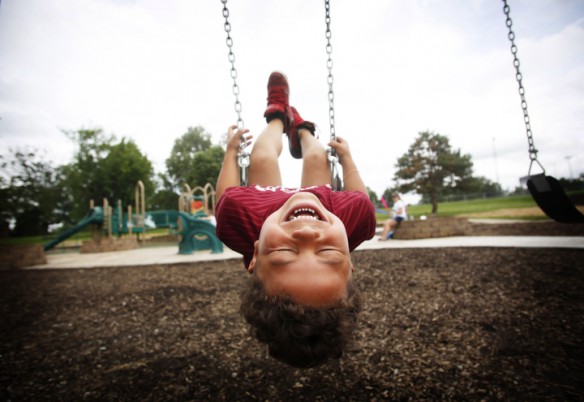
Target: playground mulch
(438, 324)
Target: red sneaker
(292, 133)
(278, 106)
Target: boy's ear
(252, 263)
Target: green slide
(94, 216)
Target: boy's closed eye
(283, 250)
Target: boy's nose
(306, 233)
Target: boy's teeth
(303, 213)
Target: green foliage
(431, 167)
(519, 190)
(191, 159)
(122, 168)
(572, 184)
(102, 169)
(31, 192)
(165, 197)
(373, 197)
(83, 175)
(207, 166)
(469, 186)
(477, 184)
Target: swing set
(243, 155)
(545, 190)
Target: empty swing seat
(551, 198)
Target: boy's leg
(304, 144)
(315, 167)
(264, 168)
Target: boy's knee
(315, 158)
(262, 157)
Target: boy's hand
(342, 147)
(351, 176)
(229, 174)
(234, 135)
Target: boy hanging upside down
(295, 242)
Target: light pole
(495, 158)
(569, 165)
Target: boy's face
(303, 251)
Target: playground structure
(203, 204)
(93, 217)
(196, 217)
(192, 223)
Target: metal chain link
(329, 64)
(519, 77)
(336, 181)
(243, 154)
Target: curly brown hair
(300, 335)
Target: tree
(207, 166)
(181, 165)
(82, 176)
(473, 186)
(102, 169)
(32, 193)
(165, 197)
(122, 168)
(572, 184)
(431, 168)
(373, 197)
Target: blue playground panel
(197, 234)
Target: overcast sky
(149, 69)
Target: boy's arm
(229, 173)
(351, 176)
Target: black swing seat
(551, 198)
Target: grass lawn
(477, 206)
(474, 206)
(76, 238)
(23, 240)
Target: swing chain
(243, 154)
(329, 64)
(519, 77)
(336, 181)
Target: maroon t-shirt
(241, 212)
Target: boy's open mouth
(304, 213)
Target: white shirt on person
(399, 209)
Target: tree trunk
(434, 200)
